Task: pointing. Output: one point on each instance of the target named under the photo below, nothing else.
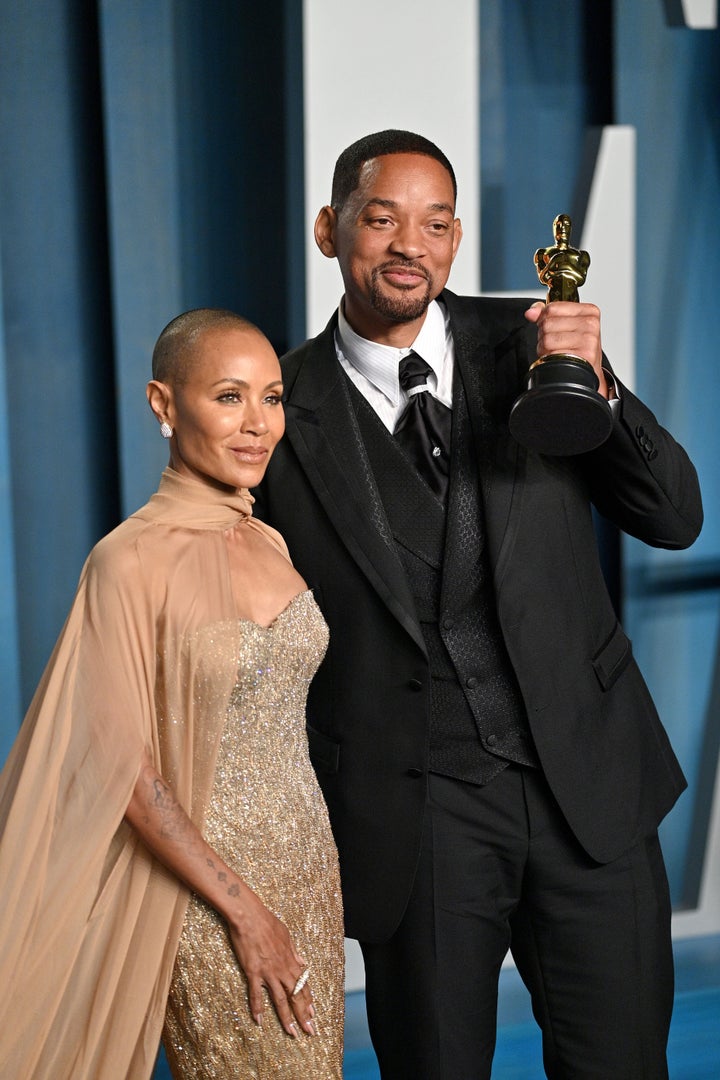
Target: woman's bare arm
(261, 942)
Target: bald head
(177, 347)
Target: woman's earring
(165, 430)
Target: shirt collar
(379, 363)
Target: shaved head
(176, 348)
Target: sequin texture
(267, 819)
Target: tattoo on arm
(175, 824)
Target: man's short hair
(175, 348)
(346, 177)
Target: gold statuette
(561, 412)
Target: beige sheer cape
(89, 921)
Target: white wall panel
(375, 65)
(700, 14)
(609, 237)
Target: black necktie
(423, 430)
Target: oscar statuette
(561, 412)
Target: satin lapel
(323, 431)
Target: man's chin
(400, 309)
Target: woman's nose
(254, 421)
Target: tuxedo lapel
(322, 428)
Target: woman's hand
(266, 954)
(261, 942)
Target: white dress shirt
(373, 368)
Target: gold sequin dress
(268, 820)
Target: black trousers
(500, 869)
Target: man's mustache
(402, 264)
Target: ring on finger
(301, 982)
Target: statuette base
(561, 413)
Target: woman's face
(227, 416)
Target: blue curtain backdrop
(151, 161)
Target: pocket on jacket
(324, 751)
(611, 660)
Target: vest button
(415, 773)
(415, 684)
(471, 683)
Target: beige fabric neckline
(184, 501)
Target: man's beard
(401, 306)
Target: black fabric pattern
(477, 719)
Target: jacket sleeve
(644, 481)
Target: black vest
(478, 722)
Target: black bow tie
(423, 429)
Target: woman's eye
(274, 399)
(229, 395)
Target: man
(493, 764)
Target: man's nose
(409, 240)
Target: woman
(164, 841)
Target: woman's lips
(251, 454)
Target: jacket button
(448, 623)
(415, 773)
(471, 683)
(492, 740)
(415, 684)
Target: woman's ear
(160, 400)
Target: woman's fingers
(302, 1006)
(294, 1007)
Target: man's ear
(325, 224)
(457, 236)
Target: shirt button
(415, 773)
(415, 684)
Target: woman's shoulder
(127, 549)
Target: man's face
(395, 240)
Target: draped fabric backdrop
(152, 159)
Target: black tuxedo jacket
(602, 747)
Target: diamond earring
(165, 430)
